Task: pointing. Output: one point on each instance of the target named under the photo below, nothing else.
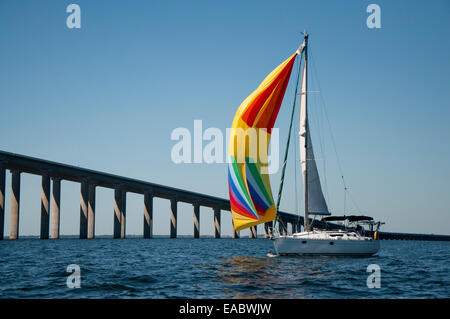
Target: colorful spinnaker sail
(249, 186)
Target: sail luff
(251, 197)
(286, 153)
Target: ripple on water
(210, 268)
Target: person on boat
(359, 229)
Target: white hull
(325, 243)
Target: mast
(286, 152)
(304, 91)
(315, 203)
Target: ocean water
(215, 268)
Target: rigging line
(345, 199)
(346, 189)
(298, 176)
(283, 169)
(327, 118)
(329, 123)
(354, 202)
(295, 178)
(319, 122)
(322, 144)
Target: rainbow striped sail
(249, 186)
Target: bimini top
(351, 218)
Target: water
(215, 268)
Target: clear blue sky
(107, 97)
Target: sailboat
(250, 193)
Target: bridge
(52, 172)
(89, 180)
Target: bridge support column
(282, 224)
(216, 222)
(148, 214)
(56, 197)
(45, 205)
(235, 233)
(15, 204)
(2, 199)
(123, 215)
(173, 218)
(91, 212)
(294, 226)
(267, 227)
(117, 211)
(196, 220)
(84, 194)
(252, 232)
